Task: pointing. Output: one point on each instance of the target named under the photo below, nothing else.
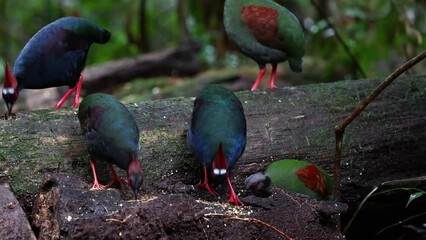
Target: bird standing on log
(267, 33)
(55, 56)
(217, 135)
(111, 135)
(293, 176)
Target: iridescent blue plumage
(217, 134)
(55, 56)
(111, 135)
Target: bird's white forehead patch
(8, 90)
(219, 171)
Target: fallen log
(182, 60)
(14, 222)
(386, 142)
(294, 122)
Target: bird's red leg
(206, 184)
(116, 178)
(77, 89)
(259, 78)
(232, 196)
(96, 184)
(77, 92)
(273, 74)
(64, 98)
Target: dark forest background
(375, 37)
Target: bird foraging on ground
(267, 33)
(293, 176)
(111, 135)
(55, 56)
(217, 135)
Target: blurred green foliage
(381, 34)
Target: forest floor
(66, 208)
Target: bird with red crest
(55, 56)
(217, 136)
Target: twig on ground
(226, 216)
(110, 220)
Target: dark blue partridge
(217, 135)
(111, 135)
(55, 56)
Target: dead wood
(182, 60)
(386, 142)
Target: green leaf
(414, 196)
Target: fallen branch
(340, 128)
(110, 220)
(180, 61)
(226, 216)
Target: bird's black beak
(9, 108)
(135, 182)
(135, 191)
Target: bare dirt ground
(66, 209)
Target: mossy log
(386, 142)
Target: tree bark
(386, 142)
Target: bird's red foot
(234, 199)
(258, 78)
(75, 103)
(115, 177)
(77, 89)
(64, 98)
(207, 186)
(272, 86)
(98, 186)
(232, 196)
(123, 182)
(273, 74)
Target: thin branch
(405, 180)
(340, 39)
(248, 220)
(340, 128)
(382, 87)
(400, 222)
